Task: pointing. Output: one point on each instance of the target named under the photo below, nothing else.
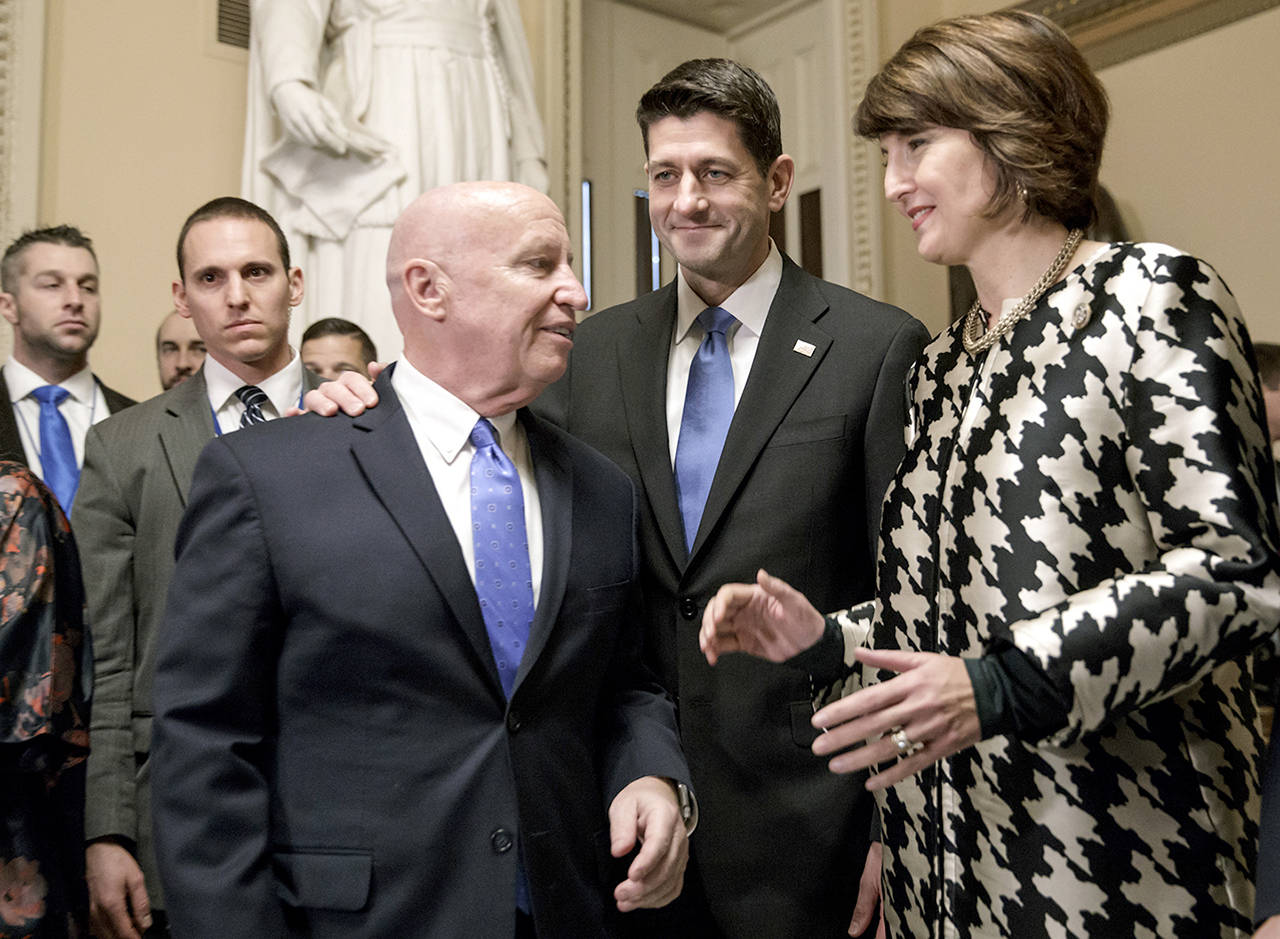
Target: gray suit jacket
(813, 444)
(133, 490)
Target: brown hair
(1015, 82)
(66, 235)
(727, 89)
(232, 207)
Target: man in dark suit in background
(419, 735)
(50, 283)
(235, 284)
(808, 431)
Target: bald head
(483, 290)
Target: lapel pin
(804, 348)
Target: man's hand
(118, 905)
(769, 619)
(351, 393)
(869, 895)
(647, 811)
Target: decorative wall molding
(21, 85)
(860, 58)
(1111, 31)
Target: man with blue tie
(48, 396)
(444, 728)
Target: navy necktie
(708, 411)
(504, 584)
(57, 453)
(253, 398)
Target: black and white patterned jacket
(1097, 490)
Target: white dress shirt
(749, 305)
(83, 407)
(283, 389)
(442, 424)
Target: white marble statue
(358, 106)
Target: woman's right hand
(769, 619)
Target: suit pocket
(821, 428)
(608, 598)
(324, 880)
(802, 730)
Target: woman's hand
(929, 707)
(769, 619)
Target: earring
(1022, 193)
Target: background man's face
(329, 356)
(56, 309)
(179, 350)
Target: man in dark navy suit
(444, 729)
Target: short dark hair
(336, 326)
(1268, 356)
(67, 235)
(231, 207)
(1015, 82)
(723, 87)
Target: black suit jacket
(814, 442)
(333, 754)
(11, 441)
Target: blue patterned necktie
(57, 453)
(708, 410)
(504, 584)
(253, 398)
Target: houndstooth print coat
(1097, 490)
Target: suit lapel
(10, 440)
(778, 375)
(185, 428)
(642, 360)
(555, 493)
(391, 461)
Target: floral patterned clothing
(1096, 491)
(44, 715)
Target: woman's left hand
(929, 706)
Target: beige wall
(144, 121)
(1191, 156)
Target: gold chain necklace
(975, 340)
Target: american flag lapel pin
(804, 348)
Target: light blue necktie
(253, 398)
(708, 410)
(504, 585)
(57, 454)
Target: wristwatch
(688, 808)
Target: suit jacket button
(514, 723)
(501, 840)
(688, 607)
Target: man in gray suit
(236, 286)
(812, 429)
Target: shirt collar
(22, 381)
(749, 303)
(284, 388)
(443, 418)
